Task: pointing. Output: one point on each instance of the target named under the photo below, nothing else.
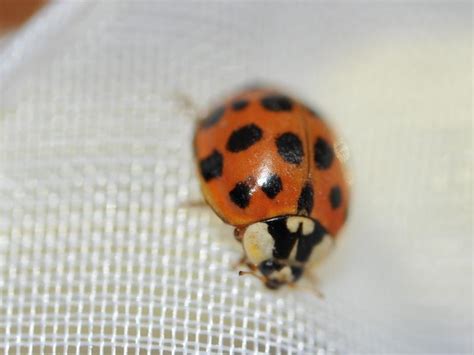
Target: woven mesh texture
(99, 249)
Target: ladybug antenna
(261, 278)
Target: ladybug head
(276, 273)
(271, 247)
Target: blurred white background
(95, 164)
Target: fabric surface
(99, 248)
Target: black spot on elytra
(335, 197)
(272, 186)
(290, 148)
(244, 138)
(306, 199)
(277, 103)
(323, 154)
(211, 166)
(240, 194)
(239, 105)
(213, 118)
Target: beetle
(267, 165)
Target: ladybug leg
(251, 266)
(312, 289)
(240, 262)
(314, 281)
(185, 104)
(238, 235)
(312, 277)
(317, 292)
(193, 204)
(243, 261)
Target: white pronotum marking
(258, 243)
(321, 251)
(293, 223)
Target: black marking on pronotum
(335, 197)
(297, 272)
(306, 199)
(211, 166)
(277, 103)
(244, 138)
(306, 243)
(213, 118)
(272, 186)
(290, 148)
(240, 194)
(323, 154)
(239, 105)
(284, 239)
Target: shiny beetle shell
(263, 154)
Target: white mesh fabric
(98, 251)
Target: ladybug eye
(268, 266)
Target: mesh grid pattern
(111, 248)
(99, 249)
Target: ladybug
(267, 166)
